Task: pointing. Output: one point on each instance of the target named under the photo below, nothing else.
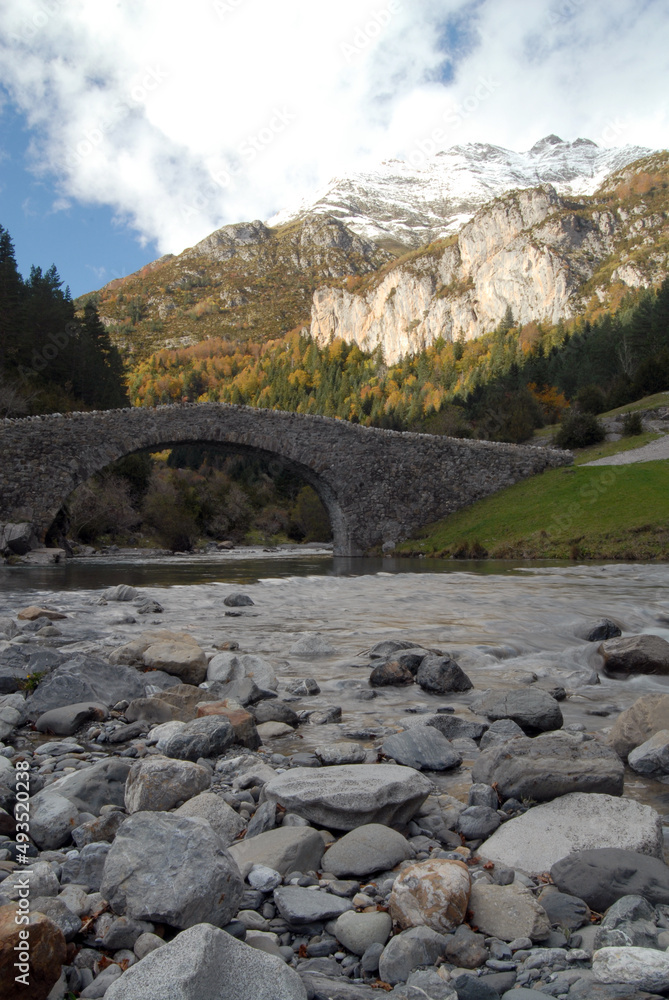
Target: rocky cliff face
(536, 251)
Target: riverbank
(295, 762)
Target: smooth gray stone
(275, 711)
(534, 710)
(85, 678)
(287, 849)
(602, 876)
(367, 849)
(387, 647)
(453, 727)
(482, 795)
(96, 786)
(358, 931)
(124, 933)
(565, 910)
(52, 819)
(423, 748)
(171, 869)
(306, 906)
(351, 795)
(406, 951)
(205, 963)
(238, 600)
(548, 766)
(501, 731)
(223, 819)
(477, 822)
(209, 736)
(66, 720)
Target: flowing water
(506, 624)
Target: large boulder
(422, 747)
(205, 963)
(367, 849)
(431, 894)
(351, 795)
(548, 766)
(288, 849)
(535, 711)
(84, 678)
(508, 912)
(158, 783)
(580, 821)
(604, 875)
(635, 654)
(101, 784)
(441, 674)
(648, 715)
(171, 869)
(31, 955)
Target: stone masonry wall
(377, 485)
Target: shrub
(632, 425)
(578, 430)
(591, 399)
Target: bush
(578, 430)
(632, 425)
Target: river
(505, 623)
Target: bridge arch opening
(288, 501)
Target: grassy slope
(606, 512)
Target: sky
(134, 128)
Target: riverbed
(507, 624)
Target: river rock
(180, 703)
(508, 912)
(41, 880)
(171, 869)
(158, 783)
(453, 727)
(102, 828)
(352, 795)
(238, 600)
(120, 593)
(209, 736)
(312, 644)
(132, 652)
(550, 765)
(273, 730)
(564, 910)
(535, 711)
(307, 906)
(631, 920)
(367, 849)
(640, 968)
(86, 866)
(602, 876)
(47, 953)
(205, 963)
(652, 757)
(441, 674)
(101, 784)
(275, 710)
(387, 647)
(406, 951)
(466, 949)
(222, 818)
(52, 820)
(648, 715)
(242, 722)
(341, 753)
(477, 822)
(34, 612)
(84, 678)
(184, 660)
(422, 747)
(604, 629)
(635, 654)
(288, 849)
(580, 821)
(357, 931)
(11, 712)
(433, 894)
(66, 720)
(390, 673)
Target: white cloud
(183, 119)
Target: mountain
(551, 232)
(399, 204)
(544, 255)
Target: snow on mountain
(412, 205)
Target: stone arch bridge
(377, 485)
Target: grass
(606, 512)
